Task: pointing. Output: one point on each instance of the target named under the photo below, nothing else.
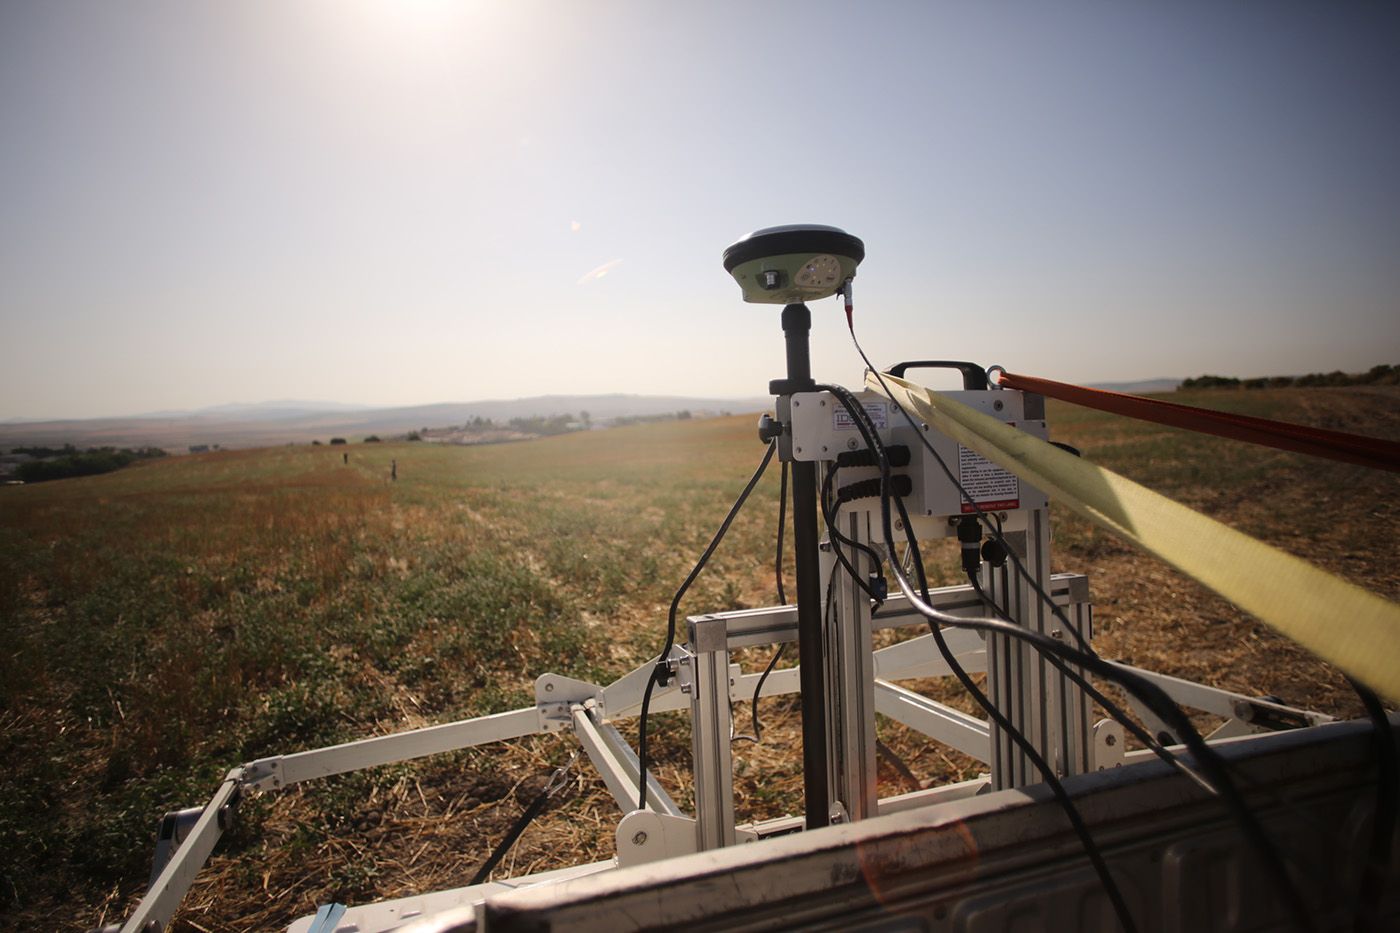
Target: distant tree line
(68, 461)
(1383, 374)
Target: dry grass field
(168, 621)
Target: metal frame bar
(850, 680)
(711, 723)
(940, 722)
(1224, 703)
(282, 770)
(169, 889)
(711, 681)
(617, 764)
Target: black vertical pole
(797, 325)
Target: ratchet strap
(1352, 628)
(1319, 442)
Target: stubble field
(169, 621)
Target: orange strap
(1335, 445)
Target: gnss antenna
(788, 266)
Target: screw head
(640, 838)
(549, 688)
(851, 444)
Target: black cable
(1091, 849)
(782, 601)
(1373, 876)
(1118, 713)
(829, 516)
(536, 807)
(835, 506)
(1149, 693)
(662, 670)
(758, 689)
(872, 441)
(977, 509)
(782, 520)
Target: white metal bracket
(557, 695)
(648, 836)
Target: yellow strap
(1354, 629)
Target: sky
(393, 202)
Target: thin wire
(661, 670)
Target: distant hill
(1141, 387)
(292, 422)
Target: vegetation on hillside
(1383, 374)
(68, 461)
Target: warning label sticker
(989, 485)
(841, 419)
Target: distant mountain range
(290, 421)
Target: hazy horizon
(403, 203)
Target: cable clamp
(559, 779)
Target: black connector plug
(900, 485)
(897, 454)
(994, 553)
(970, 534)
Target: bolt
(795, 403)
(640, 839)
(823, 448)
(823, 403)
(549, 688)
(851, 444)
(899, 524)
(998, 405)
(925, 427)
(799, 450)
(1110, 740)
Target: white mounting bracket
(555, 697)
(647, 836)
